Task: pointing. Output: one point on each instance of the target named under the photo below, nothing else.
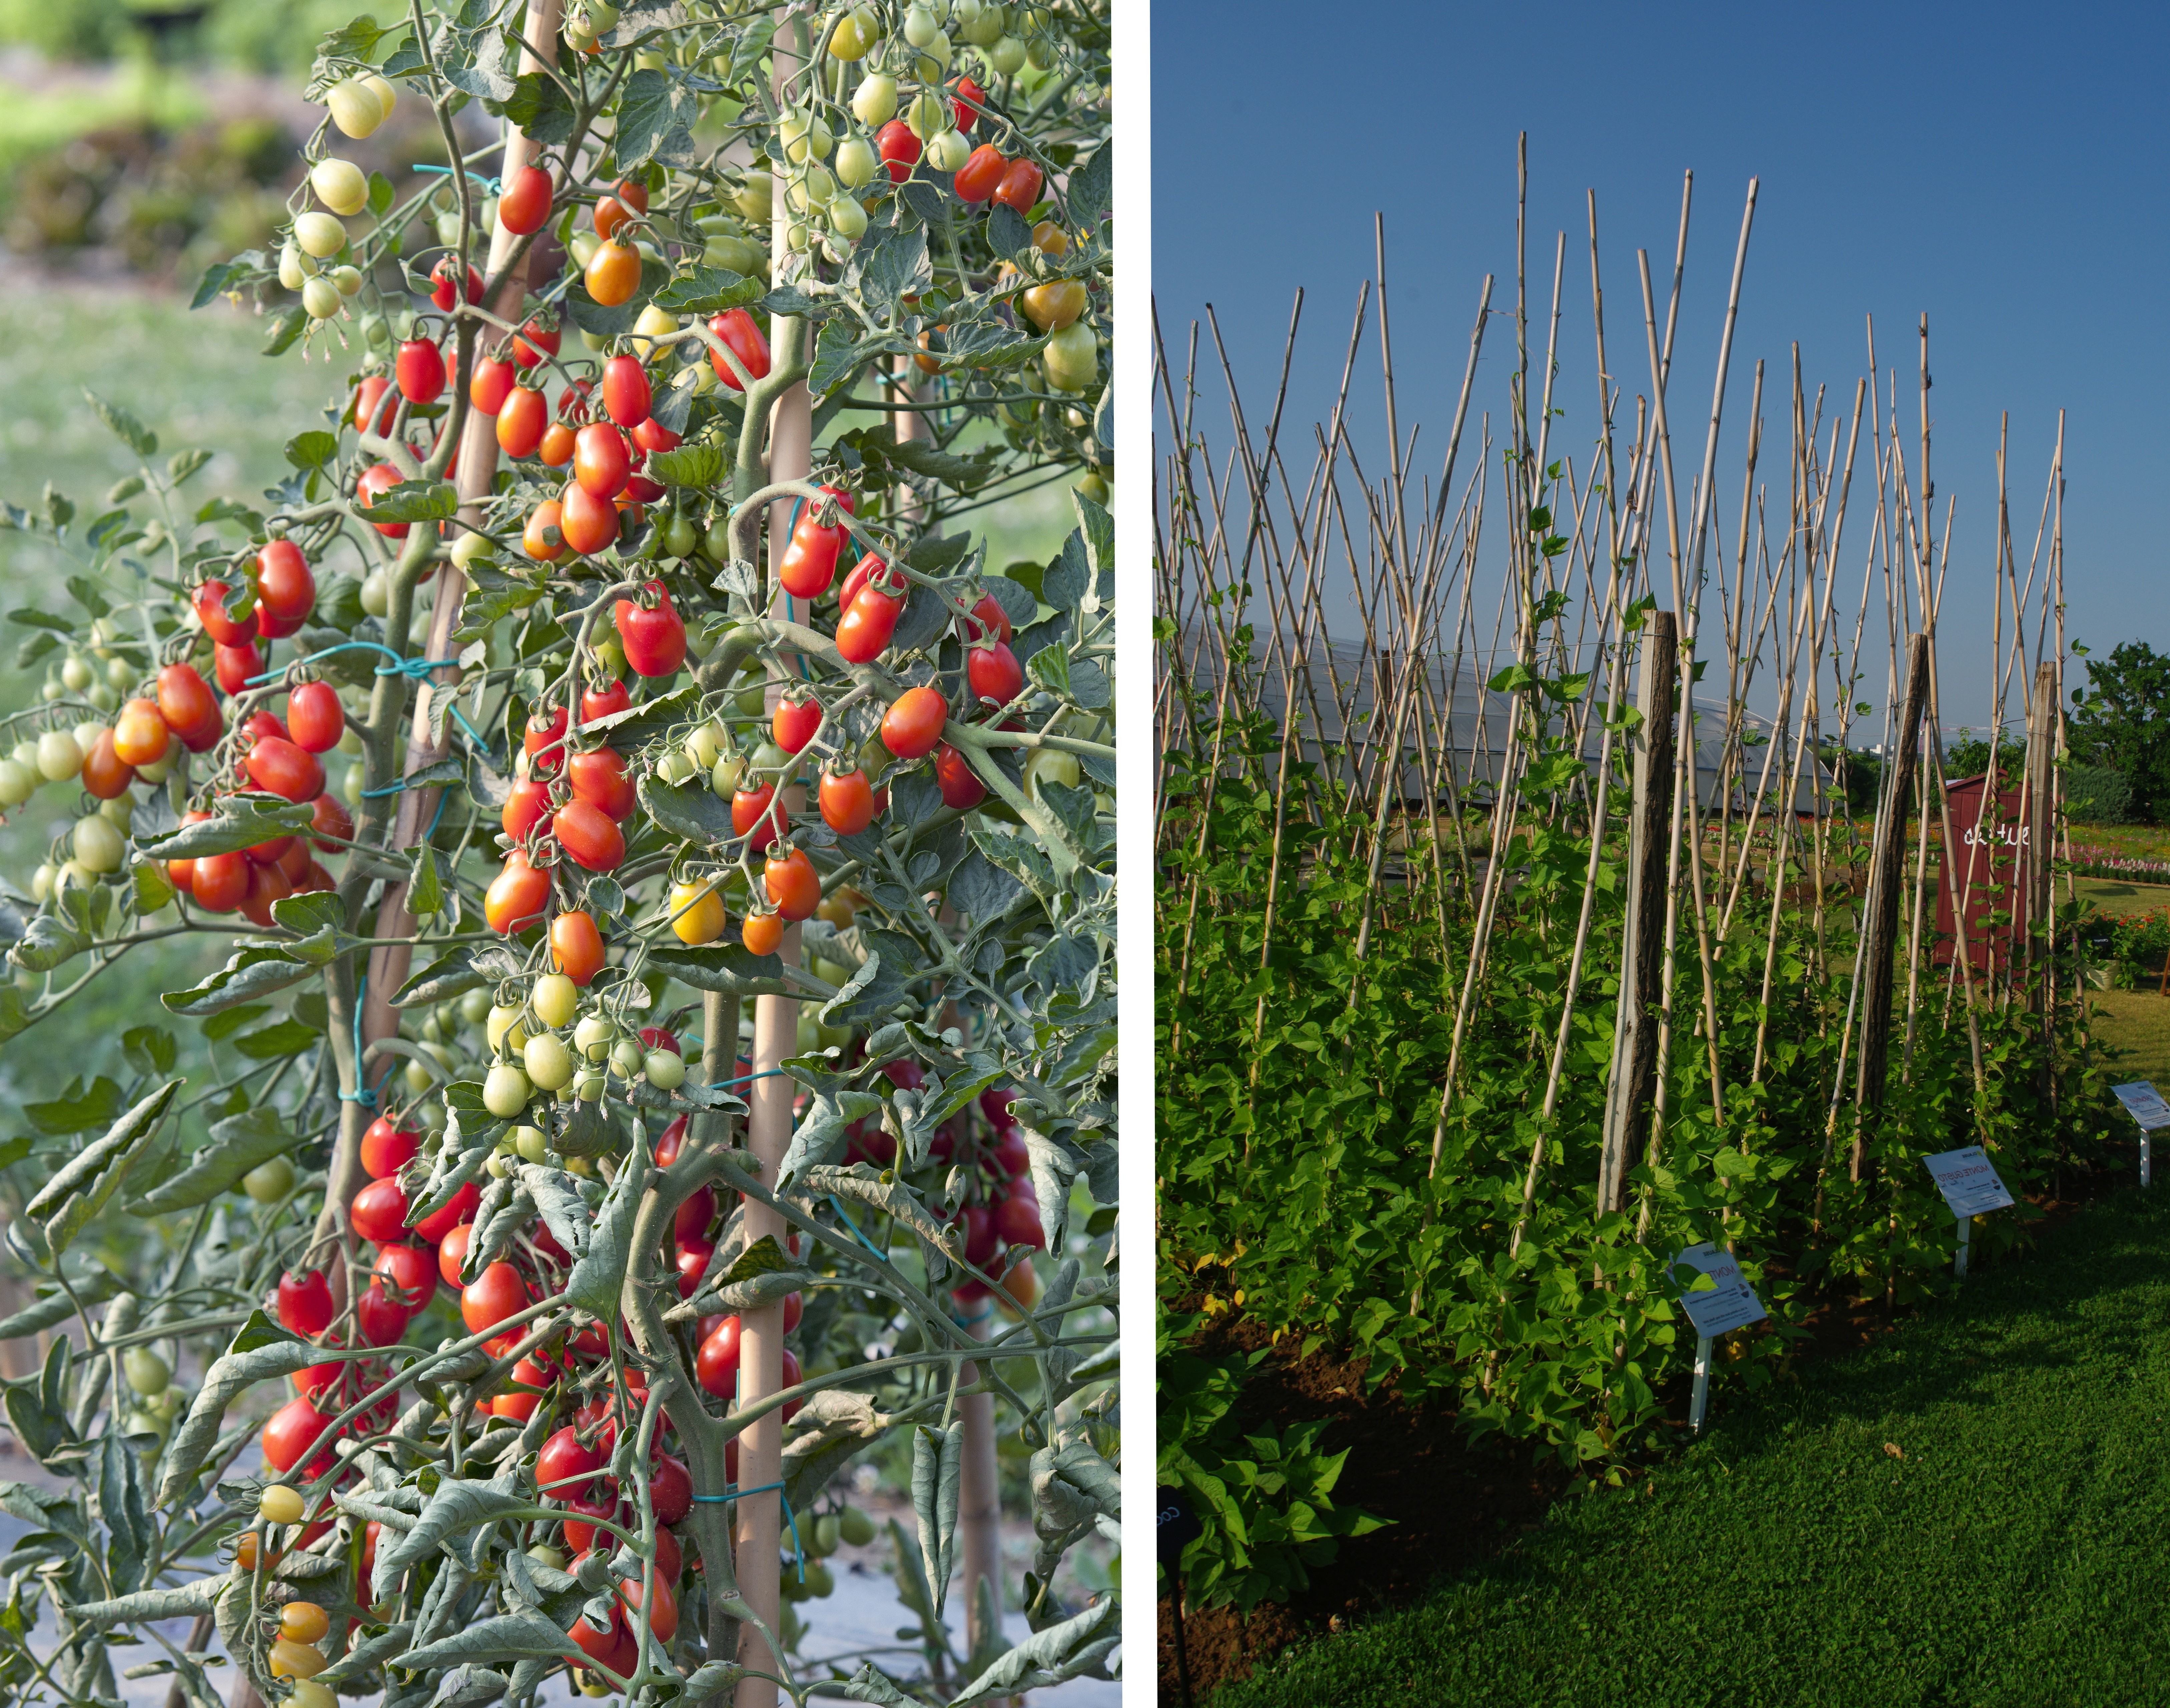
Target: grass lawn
(2012, 1550)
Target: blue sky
(2001, 168)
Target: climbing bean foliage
(1297, 1187)
(953, 1144)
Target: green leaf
(312, 450)
(283, 1037)
(256, 971)
(709, 290)
(212, 285)
(599, 1276)
(730, 968)
(937, 1461)
(81, 1189)
(50, 942)
(221, 1026)
(76, 1110)
(1092, 190)
(239, 1144)
(837, 355)
(229, 1377)
(537, 106)
(693, 811)
(284, 331)
(130, 431)
(425, 890)
(509, 1636)
(655, 119)
(690, 465)
(460, 1505)
(241, 821)
(415, 501)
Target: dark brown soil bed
(1454, 1505)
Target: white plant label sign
(1730, 1304)
(2144, 1104)
(1968, 1181)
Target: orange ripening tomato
(534, 539)
(139, 734)
(576, 946)
(762, 933)
(105, 774)
(613, 273)
(588, 523)
(793, 886)
(522, 419)
(558, 445)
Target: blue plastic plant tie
(733, 1492)
(727, 1084)
(490, 184)
(417, 669)
(362, 1094)
(854, 1227)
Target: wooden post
(1880, 935)
(1634, 1043)
(2036, 847)
(760, 1528)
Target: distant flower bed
(2106, 863)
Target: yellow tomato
(696, 913)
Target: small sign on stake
(1727, 1303)
(2144, 1104)
(1970, 1183)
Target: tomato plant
(474, 954)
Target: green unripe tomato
(856, 1527)
(628, 1058)
(555, 1000)
(505, 1090)
(147, 1372)
(268, 1182)
(548, 1063)
(666, 1069)
(530, 1143)
(824, 1535)
(474, 1007)
(680, 538)
(281, 1504)
(417, 1077)
(591, 1038)
(674, 768)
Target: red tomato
(224, 629)
(235, 666)
(379, 1212)
(186, 703)
(847, 804)
(545, 741)
(692, 1262)
(627, 398)
(599, 777)
(654, 637)
(994, 673)
(285, 588)
(387, 1149)
(105, 774)
(573, 403)
(612, 698)
(378, 478)
(794, 887)
(521, 416)
(808, 564)
(898, 149)
(491, 1297)
(690, 1223)
(408, 1272)
(452, 1251)
(220, 882)
(640, 490)
(315, 716)
(588, 523)
(566, 1466)
(372, 413)
(576, 946)
(295, 1429)
(261, 724)
(672, 1138)
(523, 205)
(305, 1302)
(521, 1407)
(970, 97)
(1020, 186)
(516, 896)
(750, 814)
(717, 1364)
(590, 835)
(1017, 1217)
(601, 461)
(670, 1493)
(294, 863)
(650, 437)
(444, 287)
(794, 723)
(281, 768)
(434, 1226)
(744, 339)
(420, 368)
(525, 808)
(960, 786)
(557, 447)
(977, 177)
(492, 384)
(864, 632)
(535, 341)
(913, 723)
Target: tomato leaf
(242, 821)
(689, 464)
(415, 501)
(654, 120)
(81, 1189)
(539, 107)
(313, 450)
(238, 1143)
(130, 431)
(256, 971)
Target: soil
(1454, 1505)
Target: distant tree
(2120, 721)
